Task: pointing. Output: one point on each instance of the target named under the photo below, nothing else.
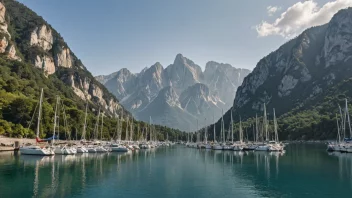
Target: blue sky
(108, 35)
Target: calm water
(305, 170)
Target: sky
(108, 35)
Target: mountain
(33, 55)
(304, 80)
(178, 95)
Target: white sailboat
(216, 145)
(275, 145)
(264, 146)
(100, 148)
(239, 145)
(35, 149)
(82, 148)
(59, 150)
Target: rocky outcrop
(3, 24)
(3, 45)
(86, 89)
(11, 53)
(42, 37)
(287, 83)
(46, 63)
(63, 57)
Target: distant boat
(35, 149)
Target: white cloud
(300, 16)
(272, 9)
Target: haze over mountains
(178, 95)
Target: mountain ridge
(219, 82)
(296, 78)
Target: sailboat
(117, 146)
(216, 145)
(264, 146)
(239, 145)
(35, 149)
(91, 148)
(346, 145)
(100, 148)
(206, 144)
(82, 148)
(59, 149)
(275, 145)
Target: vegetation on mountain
(21, 82)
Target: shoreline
(8, 144)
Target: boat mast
(197, 138)
(241, 135)
(231, 127)
(83, 136)
(222, 126)
(338, 130)
(97, 126)
(265, 124)
(131, 131)
(348, 118)
(214, 128)
(256, 128)
(55, 117)
(206, 132)
(102, 123)
(126, 136)
(39, 114)
(275, 128)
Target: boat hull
(36, 151)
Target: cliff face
(38, 43)
(185, 93)
(301, 75)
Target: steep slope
(201, 103)
(29, 38)
(202, 94)
(296, 78)
(166, 108)
(33, 55)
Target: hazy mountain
(179, 94)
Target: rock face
(43, 46)
(3, 23)
(6, 46)
(183, 91)
(3, 45)
(63, 57)
(300, 70)
(46, 63)
(42, 37)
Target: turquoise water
(304, 170)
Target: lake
(304, 170)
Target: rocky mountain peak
(180, 90)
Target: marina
(304, 170)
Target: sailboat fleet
(54, 146)
(343, 143)
(262, 139)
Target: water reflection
(345, 165)
(178, 172)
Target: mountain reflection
(179, 172)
